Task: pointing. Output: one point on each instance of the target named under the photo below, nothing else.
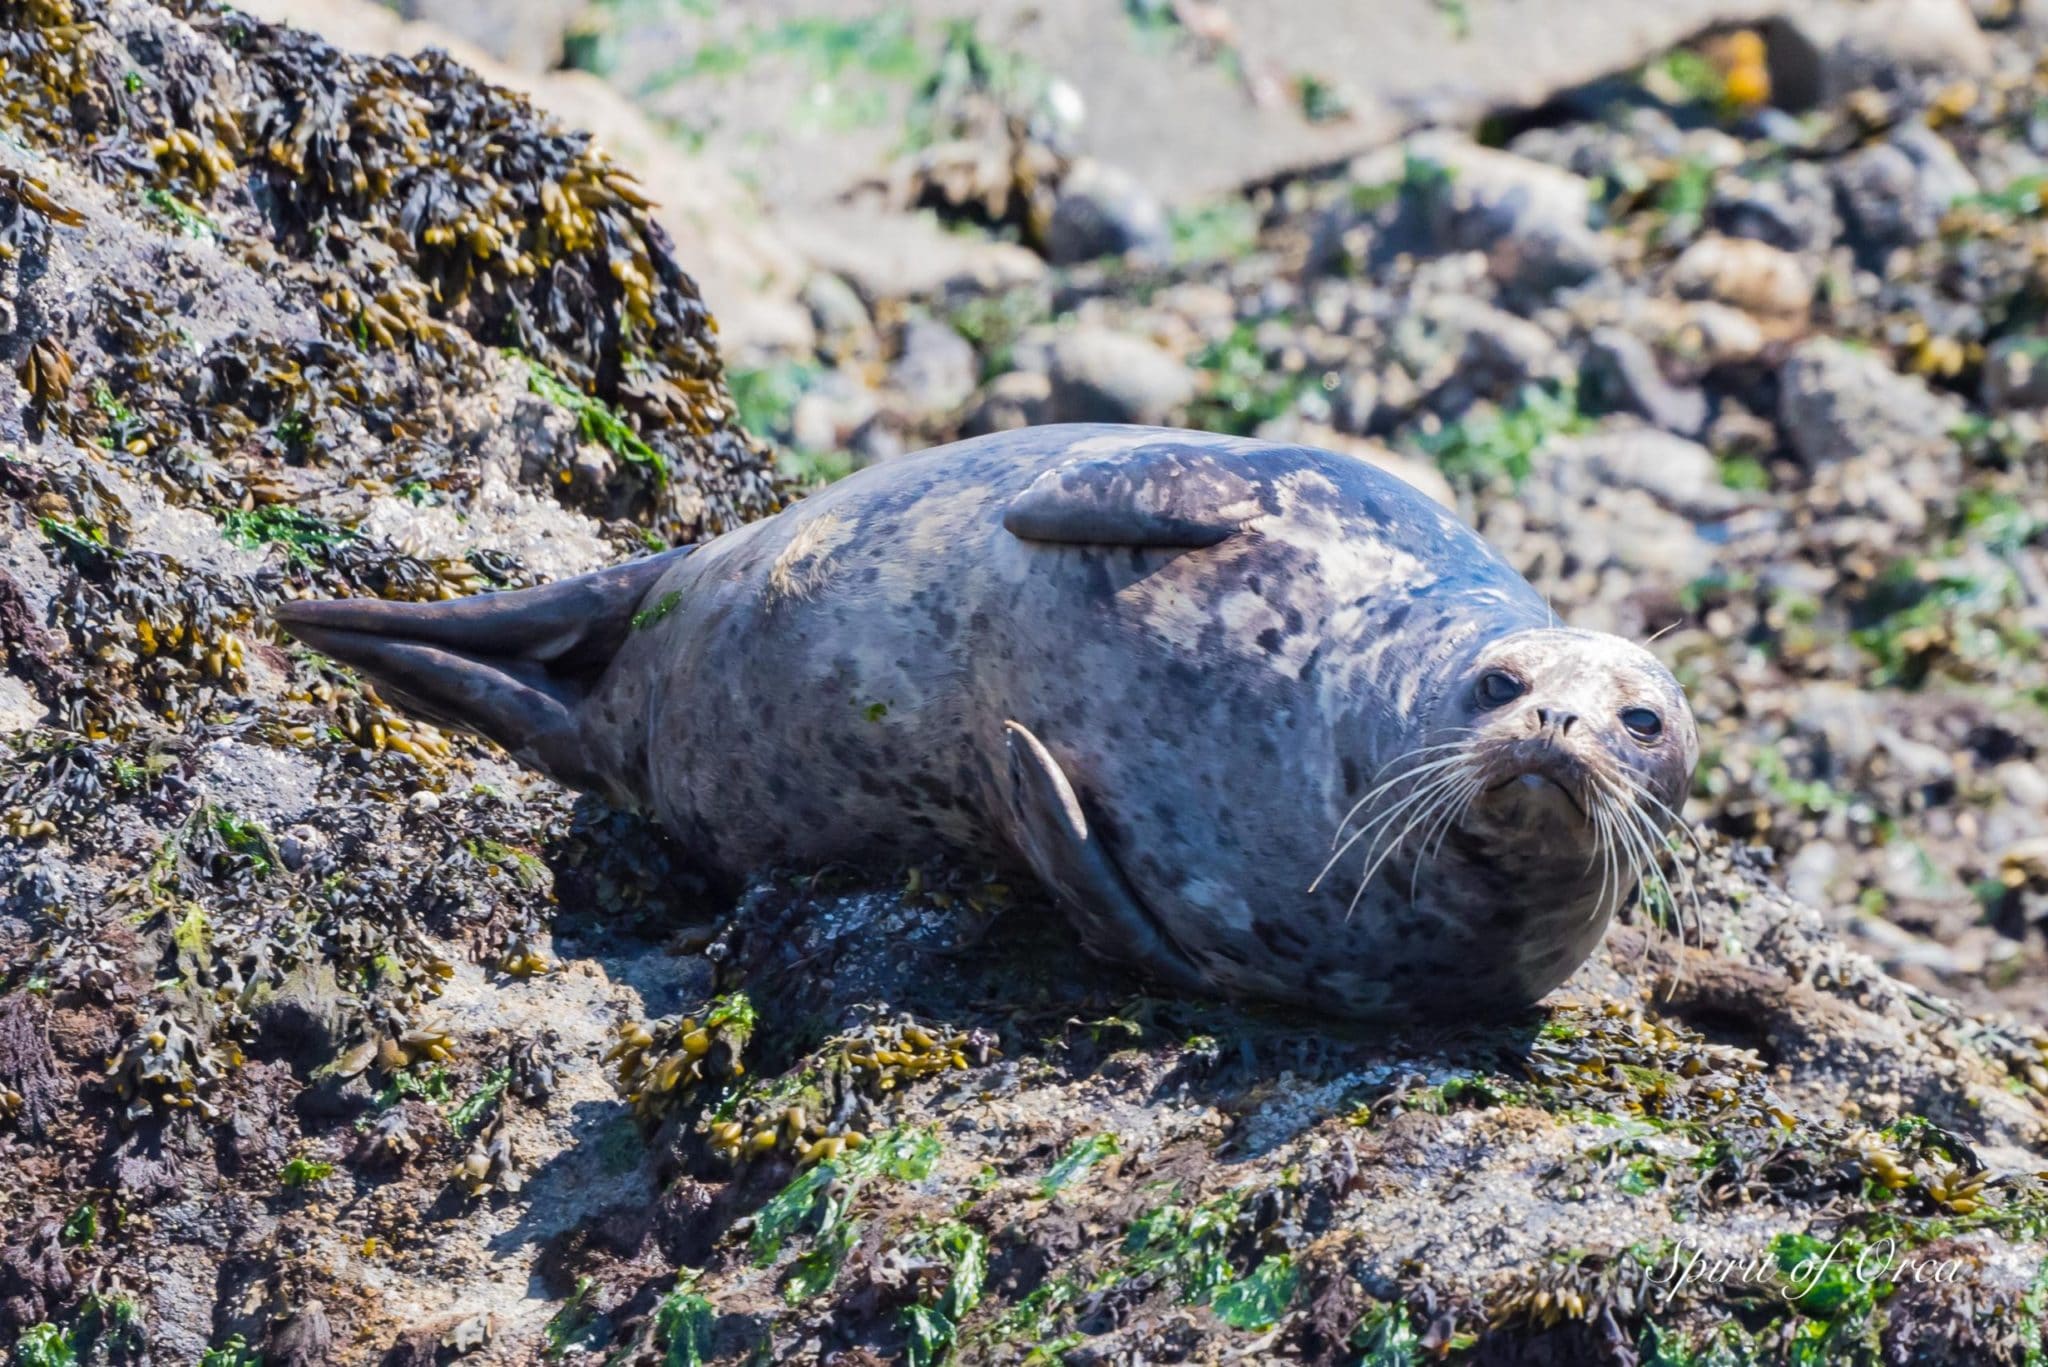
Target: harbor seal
(1266, 721)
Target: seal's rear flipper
(510, 666)
(1051, 830)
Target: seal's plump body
(1164, 669)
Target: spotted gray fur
(1159, 667)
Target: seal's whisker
(1640, 830)
(1424, 820)
(1449, 810)
(1620, 812)
(1653, 838)
(1692, 882)
(1405, 801)
(1678, 823)
(1415, 807)
(1610, 840)
(1599, 845)
(1413, 771)
(1408, 775)
(1472, 792)
(1386, 850)
(1433, 773)
(1610, 872)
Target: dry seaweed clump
(281, 320)
(662, 1064)
(419, 211)
(829, 1104)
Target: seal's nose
(1554, 719)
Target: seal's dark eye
(1498, 688)
(1642, 723)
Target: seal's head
(1577, 747)
(1553, 758)
(1572, 737)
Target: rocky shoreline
(326, 1036)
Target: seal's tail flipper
(510, 666)
(1051, 831)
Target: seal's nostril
(1549, 717)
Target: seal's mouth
(1536, 781)
(1527, 769)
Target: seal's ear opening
(510, 666)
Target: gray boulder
(1818, 53)
(1895, 193)
(1532, 220)
(1104, 211)
(1621, 374)
(1020, 398)
(1099, 375)
(2016, 373)
(1837, 403)
(936, 369)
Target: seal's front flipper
(511, 666)
(1165, 494)
(1052, 833)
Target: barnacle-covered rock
(533, 1074)
(490, 1164)
(390, 1142)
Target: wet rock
(936, 369)
(1104, 211)
(2016, 373)
(1591, 512)
(894, 256)
(526, 35)
(28, 1067)
(442, 1339)
(1099, 375)
(34, 1279)
(1810, 874)
(1355, 404)
(1793, 211)
(2025, 785)
(1463, 348)
(1749, 275)
(301, 1022)
(1720, 335)
(1837, 402)
(302, 1338)
(1531, 220)
(1620, 373)
(878, 439)
(1895, 193)
(1819, 53)
(837, 404)
(844, 329)
(1680, 474)
(1020, 398)
(1872, 504)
